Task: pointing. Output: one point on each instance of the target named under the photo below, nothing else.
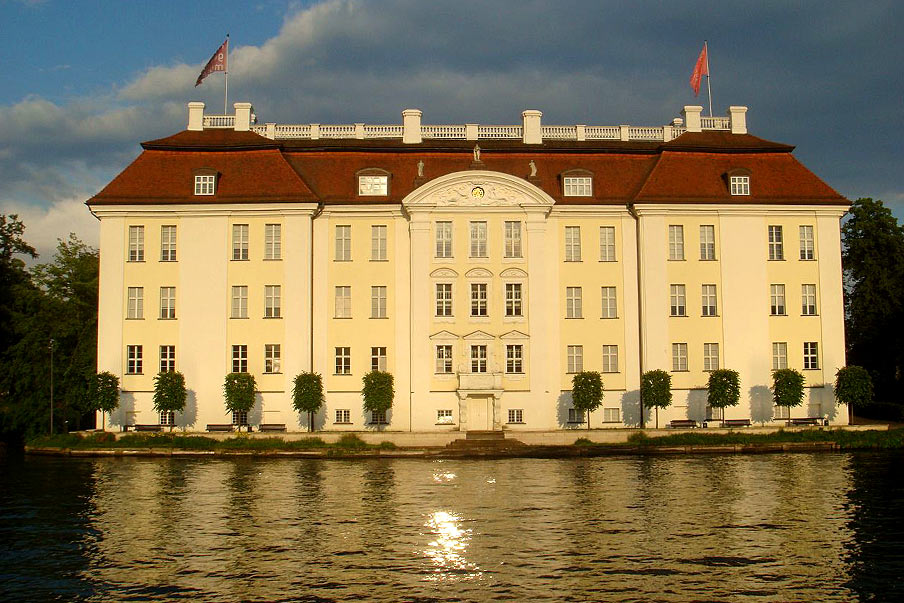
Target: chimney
(242, 116)
(411, 126)
(691, 115)
(532, 131)
(195, 116)
(737, 118)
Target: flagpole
(226, 83)
(708, 89)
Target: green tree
(723, 389)
(307, 395)
(170, 392)
(787, 388)
(104, 395)
(656, 391)
(378, 391)
(587, 392)
(873, 245)
(239, 392)
(853, 387)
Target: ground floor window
(343, 415)
(378, 417)
(239, 417)
(713, 413)
(782, 412)
(516, 415)
(611, 415)
(167, 418)
(575, 415)
(444, 416)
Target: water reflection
(770, 527)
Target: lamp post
(51, 386)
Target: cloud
(44, 225)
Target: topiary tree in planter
(587, 392)
(169, 393)
(656, 390)
(723, 389)
(104, 395)
(239, 392)
(378, 391)
(787, 388)
(307, 395)
(853, 387)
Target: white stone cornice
(218, 209)
(477, 188)
(760, 209)
(363, 211)
(590, 211)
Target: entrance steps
(484, 440)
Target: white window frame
(343, 243)
(444, 300)
(378, 358)
(343, 302)
(577, 186)
(479, 294)
(239, 242)
(378, 301)
(512, 237)
(572, 243)
(610, 359)
(239, 358)
(607, 244)
(478, 234)
(378, 417)
(272, 301)
(167, 418)
(443, 355)
(135, 306)
(136, 243)
(343, 360)
(373, 185)
(239, 301)
(612, 415)
(679, 357)
(516, 416)
(776, 243)
(709, 299)
(779, 355)
(811, 356)
(168, 243)
(575, 416)
(707, 242)
(781, 412)
(740, 185)
(205, 184)
(514, 299)
(134, 360)
(677, 300)
(378, 243)
(808, 300)
(167, 303)
(609, 301)
(343, 416)
(444, 239)
(807, 242)
(710, 356)
(479, 358)
(514, 359)
(574, 302)
(575, 359)
(272, 241)
(444, 416)
(777, 306)
(167, 355)
(272, 353)
(676, 242)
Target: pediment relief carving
(478, 335)
(444, 273)
(514, 335)
(478, 273)
(478, 189)
(513, 273)
(444, 335)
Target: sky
(83, 82)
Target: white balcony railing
(219, 121)
(715, 123)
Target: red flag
(216, 63)
(700, 69)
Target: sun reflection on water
(448, 549)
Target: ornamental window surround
(373, 182)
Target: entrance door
(479, 413)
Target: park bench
(148, 427)
(736, 423)
(272, 427)
(220, 427)
(807, 421)
(682, 423)
(128, 427)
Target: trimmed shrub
(104, 394)
(239, 392)
(787, 387)
(378, 391)
(853, 386)
(723, 389)
(587, 391)
(656, 390)
(307, 395)
(169, 392)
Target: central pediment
(477, 188)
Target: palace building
(481, 265)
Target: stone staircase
(484, 441)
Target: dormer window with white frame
(373, 183)
(740, 185)
(577, 184)
(205, 184)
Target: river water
(777, 527)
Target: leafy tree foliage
(378, 391)
(104, 395)
(656, 390)
(723, 388)
(787, 387)
(853, 387)
(874, 295)
(170, 392)
(239, 392)
(307, 395)
(587, 391)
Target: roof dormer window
(577, 183)
(205, 183)
(740, 185)
(373, 182)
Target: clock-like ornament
(477, 192)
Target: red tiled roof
(214, 140)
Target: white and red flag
(700, 69)
(218, 62)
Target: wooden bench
(682, 423)
(128, 427)
(220, 427)
(736, 423)
(806, 421)
(272, 427)
(148, 427)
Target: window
(513, 239)
(776, 247)
(578, 186)
(204, 185)
(378, 243)
(271, 357)
(240, 417)
(136, 303)
(272, 302)
(378, 359)
(573, 302)
(808, 300)
(444, 359)
(710, 356)
(707, 242)
(239, 241)
(167, 302)
(611, 415)
(676, 242)
(378, 417)
(343, 416)
(272, 241)
(444, 239)
(575, 415)
(240, 359)
(572, 243)
(513, 299)
(378, 302)
(136, 243)
(782, 412)
(343, 243)
(167, 418)
(167, 243)
(575, 358)
(811, 355)
(709, 300)
(133, 359)
(240, 301)
(807, 247)
(478, 299)
(610, 358)
(777, 300)
(478, 358)
(373, 186)
(514, 359)
(478, 239)
(609, 305)
(167, 358)
(678, 301)
(516, 415)
(740, 185)
(343, 302)
(343, 361)
(607, 243)
(679, 356)
(444, 299)
(779, 355)
(444, 416)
